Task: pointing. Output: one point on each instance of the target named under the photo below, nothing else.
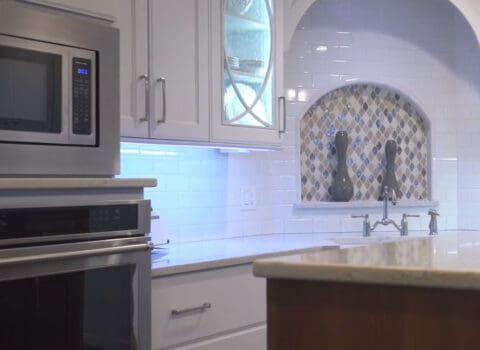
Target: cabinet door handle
(163, 81)
(146, 79)
(201, 308)
(283, 103)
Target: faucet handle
(366, 224)
(404, 223)
(433, 225)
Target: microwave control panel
(81, 99)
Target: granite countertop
(195, 256)
(450, 260)
(72, 183)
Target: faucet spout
(388, 195)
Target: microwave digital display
(83, 71)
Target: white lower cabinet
(228, 310)
(251, 339)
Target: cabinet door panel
(236, 300)
(132, 23)
(179, 54)
(251, 339)
(247, 73)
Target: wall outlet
(249, 198)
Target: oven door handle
(75, 254)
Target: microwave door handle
(163, 82)
(146, 79)
(74, 254)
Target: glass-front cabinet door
(248, 50)
(252, 111)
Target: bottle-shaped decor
(390, 179)
(342, 187)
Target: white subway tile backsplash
(424, 48)
(164, 166)
(233, 229)
(283, 182)
(328, 224)
(299, 225)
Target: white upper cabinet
(179, 69)
(100, 9)
(199, 71)
(247, 79)
(134, 89)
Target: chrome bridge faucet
(388, 195)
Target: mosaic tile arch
(371, 114)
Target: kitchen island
(415, 294)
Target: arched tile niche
(371, 114)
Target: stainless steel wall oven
(75, 277)
(59, 94)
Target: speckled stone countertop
(450, 260)
(196, 256)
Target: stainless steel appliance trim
(39, 137)
(25, 21)
(143, 213)
(66, 136)
(70, 237)
(76, 254)
(114, 253)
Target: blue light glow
(82, 71)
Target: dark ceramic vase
(390, 179)
(342, 187)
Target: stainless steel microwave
(59, 94)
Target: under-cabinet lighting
(343, 33)
(291, 94)
(321, 48)
(168, 150)
(302, 96)
(158, 153)
(351, 79)
(447, 159)
(129, 151)
(339, 61)
(234, 150)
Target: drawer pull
(201, 308)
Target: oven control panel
(55, 221)
(82, 96)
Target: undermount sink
(348, 241)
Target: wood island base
(314, 315)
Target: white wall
(424, 48)
(427, 50)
